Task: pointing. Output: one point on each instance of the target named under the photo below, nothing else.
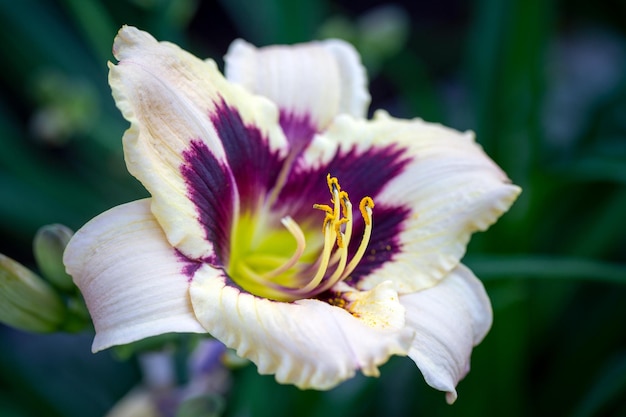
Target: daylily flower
(308, 239)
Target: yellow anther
(333, 184)
(340, 235)
(328, 221)
(324, 207)
(330, 215)
(345, 202)
(365, 206)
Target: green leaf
(545, 267)
(607, 389)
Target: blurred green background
(543, 84)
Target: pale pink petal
(314, 81)
(133, 281)
(449, 320)
(308, 343)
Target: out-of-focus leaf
(409, 75)
(603, 229)
(597, 168)
(606, 390)
(546, 267)
(56, 375)
(276, 21)
(36, 35)
(96, 23)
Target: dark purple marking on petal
(299, 130)
(384, 242)
(190, 266)
(211, 189)
(254, 166)
(359, 173)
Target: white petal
(317, 79)
(131, 278)
(446, 183)
(308, 343)
(169, 96)
(449, 319)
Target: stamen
(337, 230)
(342, 252)
(333, 223)
(365, 206)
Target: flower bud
(26, 301)
(48, 247)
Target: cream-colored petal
(169, 97)
(446, 183)
(308, 343)
(133, 281)
(449, 320)
(378, 307)
(317, 79)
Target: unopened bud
(48, 246)
(27, 302)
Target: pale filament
(329, 238)
(298, 235)
(342, 248)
